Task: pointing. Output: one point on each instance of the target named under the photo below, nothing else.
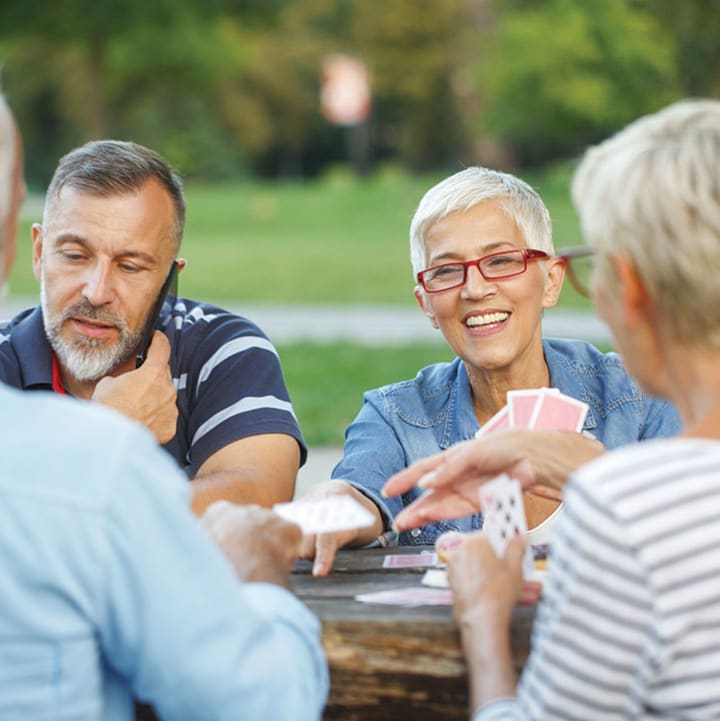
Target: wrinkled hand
(540, 460)
(261, 546)
(485, 588)
(146, 394)
(323, 546)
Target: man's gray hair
(470, 187)
(7, 162)
(652, 192)
(113, 167)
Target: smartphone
(168, 293)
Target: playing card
(556, 411)
(413, 596)
(499, 421)
(436, 578)
(521, 406)
(325, 515)
(412, 560)
(503, 511)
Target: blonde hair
(470, 187)
(652, 192)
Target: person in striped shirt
(629, 623)
(211, 388)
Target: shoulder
(433, 381)
(74, 453)
(580, 356)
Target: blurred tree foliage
(225, 87)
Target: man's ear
(37, 249)
(554, 277)
(422, 301)
(181, 263)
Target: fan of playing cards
(544, 409)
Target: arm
(179, 627)
(451, 479)
(259, 469)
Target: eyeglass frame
(528, 255)
(568, 255)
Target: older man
(110, 587)
(211, 388)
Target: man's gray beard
(87, 359)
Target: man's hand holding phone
(147, 394)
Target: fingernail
(383, 492)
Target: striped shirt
(226, 372)
(629, 624)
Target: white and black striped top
(629, 624)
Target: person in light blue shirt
(112, 590)
(486, 270)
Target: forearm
(238, 487)
(555, 455)
(489, 658)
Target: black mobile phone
(168, 293)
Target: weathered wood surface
(391, 662)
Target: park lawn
(326, 382)
(335, 240)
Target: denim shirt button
(415, 532)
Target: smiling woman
(482, 252)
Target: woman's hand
(323, 546)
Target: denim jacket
(400, 423)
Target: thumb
(158, 354)
(515, 552)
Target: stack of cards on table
(539, 408)
(325, 515)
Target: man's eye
(130, 268)
(73, 257)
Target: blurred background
(307, 131)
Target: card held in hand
(503, 511)
(325, 515)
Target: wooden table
(391, 662)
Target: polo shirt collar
(33, 351)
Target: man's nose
(98, 287)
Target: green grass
(326, 382)
(337, 240)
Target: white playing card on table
(325, 515)
(503, 511)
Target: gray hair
(652, 192)
(7, 162)
(470, 187)
(112, 167)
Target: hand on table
(146, 394)
(261, 546)
(540, 460)
(323, 546)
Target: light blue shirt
(401, 423)
(110, 589)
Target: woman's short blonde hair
(470, 187)
(652, 192)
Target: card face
(503, 511)
(325, 515)
(436, 578)
(521, 406)
(412, 560)
(498, 422)
(556, 411)
(413, 596)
